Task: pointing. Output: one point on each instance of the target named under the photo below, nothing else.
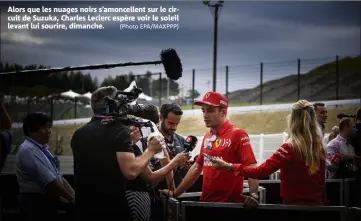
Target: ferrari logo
(207, 95)
(313, 169)
(218, 142)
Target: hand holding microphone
(156, 143)
(189, 145)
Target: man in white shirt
(321, 113)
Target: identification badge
(209, 145)
(210, 142)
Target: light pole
(215, 9)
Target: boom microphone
(169, 58)
(342, 115)
(190, 143)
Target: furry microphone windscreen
(172, 64)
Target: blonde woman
(301, 160)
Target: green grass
(343, 63)
(236, 104)
(253, 123)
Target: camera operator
(342, 162)
(104, 160)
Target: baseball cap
(214, 99)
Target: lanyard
(47, 154)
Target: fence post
(52, 107)
(28, 104)
(75, 101)
(193, 81)
(227, 82)
(168, 86)
(150, 86)
(261, 84)
(298, 79)
(261, 146)
(337, 78)
(160, 89)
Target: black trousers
(38, 207)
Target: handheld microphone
(190, 143)
(342, 115)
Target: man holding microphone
(224, 141)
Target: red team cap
(214, 99)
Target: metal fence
(329, 78)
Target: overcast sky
(249, 33)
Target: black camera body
(343, 115)
(121, 109)
(119, 106)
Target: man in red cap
(226, 141)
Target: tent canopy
(70, 94)
(87, 95)
(142, 95)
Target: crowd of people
(119, 175)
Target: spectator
(41, 184)
(342, 161)
(321, 113)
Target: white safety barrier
(264, 145)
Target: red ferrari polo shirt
(232, 145)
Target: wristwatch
(230, 167)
